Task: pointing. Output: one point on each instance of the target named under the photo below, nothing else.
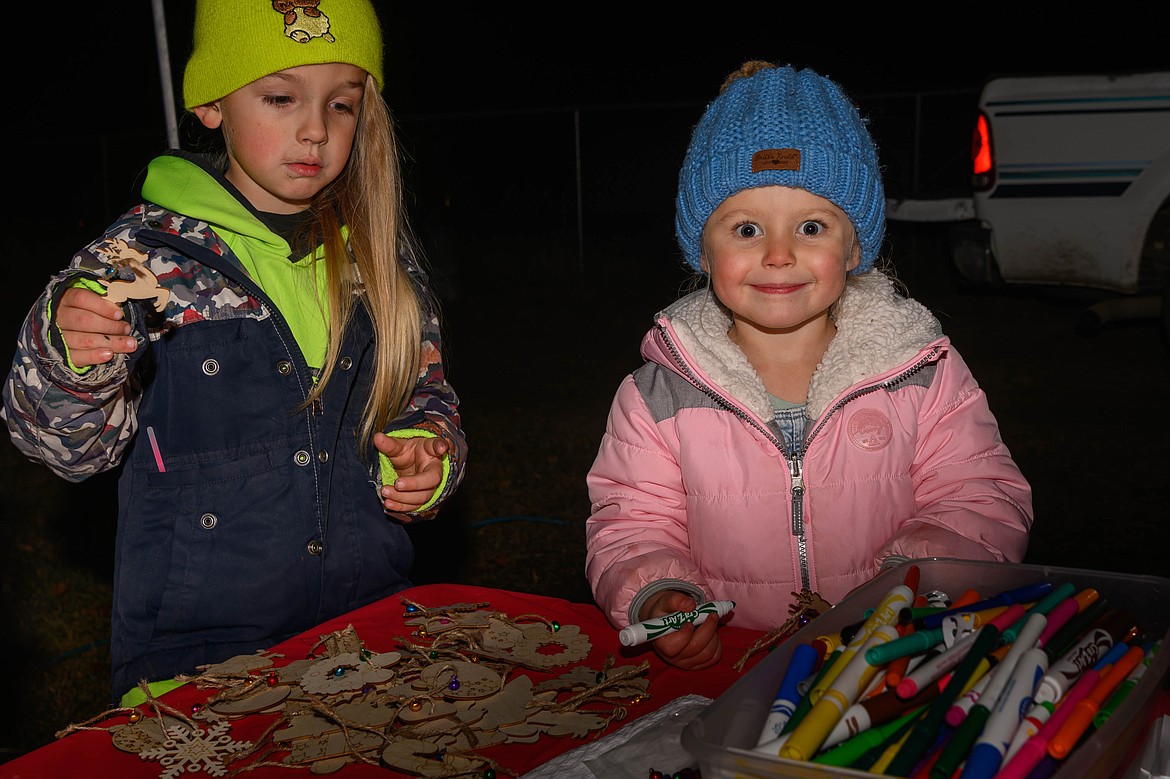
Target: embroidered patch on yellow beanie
(239, 41)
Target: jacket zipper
(796, 460)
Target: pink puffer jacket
(692, 488)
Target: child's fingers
(84, 320)
(404, 501)
(77, 300)
(94, 348)
(83, 358)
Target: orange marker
(1086, 708)
(913, 578)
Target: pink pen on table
(154, 447)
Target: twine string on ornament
(806, 607)
(418, 610)
(608, 681)
(158, 706)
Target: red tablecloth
(93, 755)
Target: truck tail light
(982, 157)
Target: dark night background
(542, 148)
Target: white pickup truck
(1070, 187)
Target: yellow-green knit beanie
(239, 41)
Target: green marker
(927, 728)
(851, 750)
(1130, 682)
(1042, 606)
(909, 644)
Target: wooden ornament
(459, 680)
(420, 757)
(142, 284)
(263, 699)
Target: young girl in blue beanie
(798, 423)
(255, 347)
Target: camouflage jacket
(250, 517)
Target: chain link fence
(559, 195)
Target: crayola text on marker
(641, 632)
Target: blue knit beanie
(794, 128)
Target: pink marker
(932, 669)
(1057, 618)
(1035, 748)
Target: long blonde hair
(367, 199)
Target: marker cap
(983, 761)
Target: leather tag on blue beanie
(776, 159)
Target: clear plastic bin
(722, 736)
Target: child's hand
(419, 464)
(92, 327)
(691, 647)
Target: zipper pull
(794, 465)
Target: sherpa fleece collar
(877, 329)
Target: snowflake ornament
(189, 750)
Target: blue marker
(987, 755)
(1027, 594)
(800, 667)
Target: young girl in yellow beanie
(255, 348)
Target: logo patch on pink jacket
(870, 430)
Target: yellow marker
(851, 681)
(879, 766)
(886, 613)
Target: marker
(998, 678)
(1035, 748)
(800, 667)
(1030, 725)
(1081, 718)
(896, 668)
(850, 752)
(926, 729)
(919, 640)
(1043, 606)
(879, 710)
(886, 613)
(805, 704)
(881, 763)
(954, 752)
(825, 645)
(1026, 594)
(1131, 681)
(1074, 629)
(1003, 718)
(950, 658)
(1113, 629)
(806, 739)
(641, 632)
(1064, 611)
(959, 710)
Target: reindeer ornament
(144, 285)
